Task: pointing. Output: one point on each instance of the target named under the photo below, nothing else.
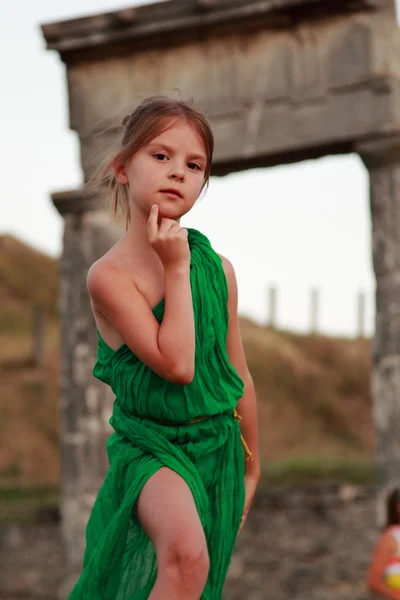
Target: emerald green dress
(120, 559)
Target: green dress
(120, 559)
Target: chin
(170, 212)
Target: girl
(384, 572)
(179, 486)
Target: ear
(120, 171)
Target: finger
(243, 522)
(174, 230)
(183, 233)
(152, 226)
(166, 225)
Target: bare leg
(167, 512)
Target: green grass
(20, 505)
(300, 470)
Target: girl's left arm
(247, 405)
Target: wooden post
(314, 310)
(272, 307)
(361, 314)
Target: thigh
(167, 512)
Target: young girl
(384, 572)
(179, 487)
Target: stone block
(227, 132)
(264, 69)
(72, 457)
(349, 59)
(74, 519)
(271, 91)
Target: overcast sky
(294, 227)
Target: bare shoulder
(228, 268)
(229, 274)
(103, 275)
(110, 283)
(121, 312)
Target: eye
(194, 166)
(160, 156)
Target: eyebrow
(169, 149)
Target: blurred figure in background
(384, 571)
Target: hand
(250, 484)
(168, 239)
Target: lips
(173, 191)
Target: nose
(177, 173)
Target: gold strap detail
(196, 420)
(176, 423)
(248, 453)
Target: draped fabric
(120, 559)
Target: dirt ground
(308, 543)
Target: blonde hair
(146, 122)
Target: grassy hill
(29, 396)
(314, 404)
(313, 391)
(27, 277)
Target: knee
(187, 565)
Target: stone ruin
(281, 81)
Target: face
(168, 171)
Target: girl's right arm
(168, 349)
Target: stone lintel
(76, 202)
(262, 161)
(146, 24)
(379, 152)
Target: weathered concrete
(382, 158)
(85, 403)
(182, 17)
(272, 96)
(281, 80)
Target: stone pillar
(382, 158)
(86, 403)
